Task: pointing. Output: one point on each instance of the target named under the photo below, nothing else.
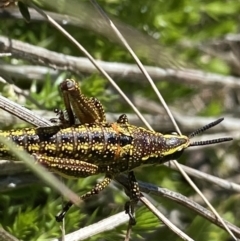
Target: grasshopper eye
(171, 142)
(174, 142)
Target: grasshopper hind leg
(73, 168)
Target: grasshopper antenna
(208, 142)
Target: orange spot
(115, 127)
(117, 153)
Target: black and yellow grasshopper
(95, 146)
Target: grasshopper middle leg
(134, 194)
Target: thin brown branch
(22, 113)
(188, 124)
(224, 184)
(131, 72)
(28, 72)
(182, 200)
(143, 44)
(102, 226)
(5, 236)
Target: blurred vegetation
(179, 27)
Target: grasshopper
(95, 146)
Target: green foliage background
(28, 213)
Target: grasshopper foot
(60, 216)
(129, 209)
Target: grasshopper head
(174, 143)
